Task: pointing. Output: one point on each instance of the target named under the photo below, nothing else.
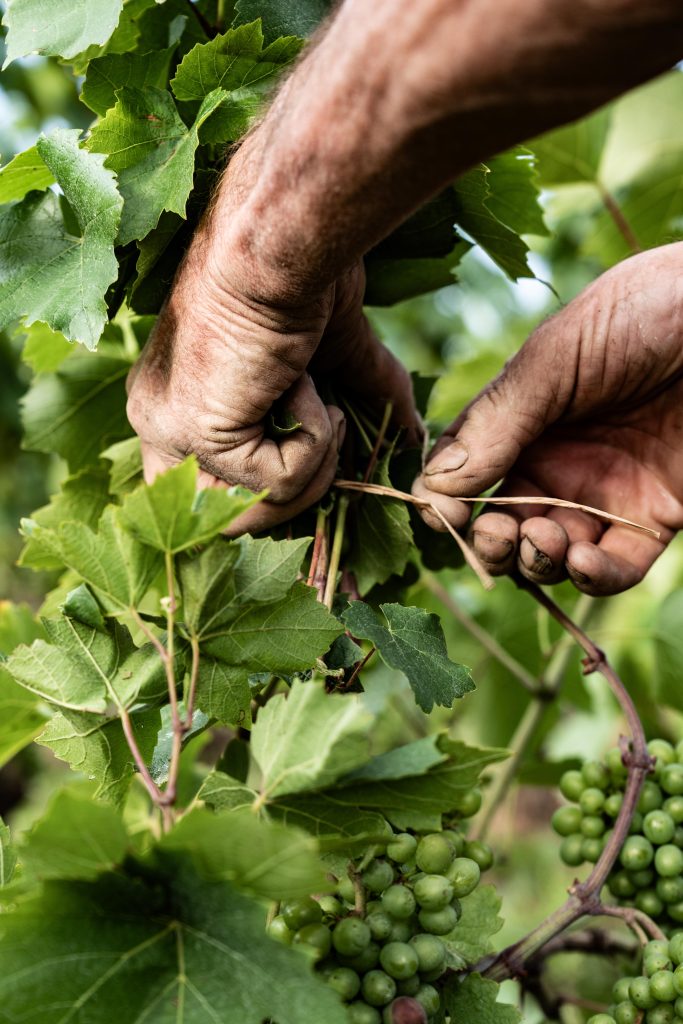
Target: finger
(618, 562)
(494, 538)
(455, 512)
(284, 467)
(542, 550)
(266, 514)
(577, 525)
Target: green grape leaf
(572, 154)
(283, 17)
(475, 217)
(83, 669)
(118, 568)
(24, 173)
(80, 604)
(166, 946)
(309, 739)
(234, 61)
(18, 625)
(414, 758)
(172, 515)
(55, 29)
(668, 650)
(163, 751)
(393, 280)
(55, 268)
(284, 637)
(223, 845)
(412, 641)
(126, 465)
(83, 498)
(223, 691)
(44, 349)
(153, 152)
(475, 1000)
(219, 582)
(76, 838)
(514, 192)
(21, 718)
(96, 747)
(470, 940)
(382, 537)
(114, 71)
(78, 410)
(8, 855)
(223, 793)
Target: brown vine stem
(379, 441)
(318, 541)
(642, 926)
(176, 720)
(621, 222)
(207, 27)
(584, 897)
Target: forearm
(395, 101)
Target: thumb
(481, 446)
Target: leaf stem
(619, 218)
(379, 441)
(335, 554)
(155, 793)
(642, 926)
(207, 28)
(318, 541)
(170, 792)
(359, 668)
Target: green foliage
(33, 27)
(8, 856)
(474, 1000)
(27, 171)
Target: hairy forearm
(397, 98)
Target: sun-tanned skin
(391, 102)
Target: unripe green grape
(653, 962)
(345, 982)
(401, 931)
(651, 797)
(615, 764)
(470, 803)
(572, 785)
(663, 1014)
(676, 947)
(402, 848)
(620, 990)
(668, 861)
(595, 774)
(649, 902)
(658, 827)
(626, 1013)
(365, 961)
(678, 1007)
(464, 874)
(643, 879)
(316, 938)
(662, 986)
(673, 805)
(592, 827)
(592, 800)
(613, 804)
(677, 980)
(671, 779)
(592, 849)
(346, 889)
(298, 913)
(566, 820)
(278, 930)
(663, 752)
(398, 959)
(398, 901)
(377, 988)
(433, 892)
(678, 836)
(408, 986)
(670, 890)
(331, 906)
(378, 876)
(434, 854)
(657, 947)
(430, 952)
(456, 839)
(404, 1010)
(351, 936)
(439, 922)
(621, 886)
(429, 998)
(640, 995)
(601, 1018)
(380, 925)
(679, 757)
(636, 853)
(570, 850)
(361, 1013)
(675, 912)
(636, 826)
(481, 853)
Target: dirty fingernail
(534, 559)
(447, 461)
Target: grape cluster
(378, 941)
(649, 873)
(656, 997)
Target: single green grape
(470, 803)
(346, 889)
(428, 997)
(670, 890)
(364, 961)
(402, 930)
(613, 804)
(595, 774)
(678, 1007)
(430, 952)
(662, 1014)
(331, 906)
(626, 1013)
(679, 758)
(636, 826)
(640, 995)
(479, 852)
(601, 1018)
(408, 986)
(456, 839)
(621, 886)
(676, 948)
(643, 879)
(398, 901)
(351, 936)
(592, 800)
(434, 854)
(380, 925)
(298, 913)
(399, 959)
(615, 764)
(592, 826)
(662, 986)
(654, 962)
(344, 981)
(570, 850)
(675, 912)
(673, 805)
(651, 797)
(439, 922)
(378, 876)
(433, 892)
(677, 980)
(591, 849)
(572, 785)
(663, 752)
(464, 874)
(649, 902)
(671, 779)
(402, 847)
(636, 853)
(316, 938)
(566, 820)
(668, 861)
(658, 827)
(361, 1013)
(277, 929)
(620, 990)
(377, 988)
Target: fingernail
(447, 461)
(534, 559)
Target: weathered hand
(590, 410)
(220, 356)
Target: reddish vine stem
(640, 924)
(621, 223)
(359, 668)
(379, 441)
(584, 897)
(318, 542)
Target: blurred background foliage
(612, 183)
